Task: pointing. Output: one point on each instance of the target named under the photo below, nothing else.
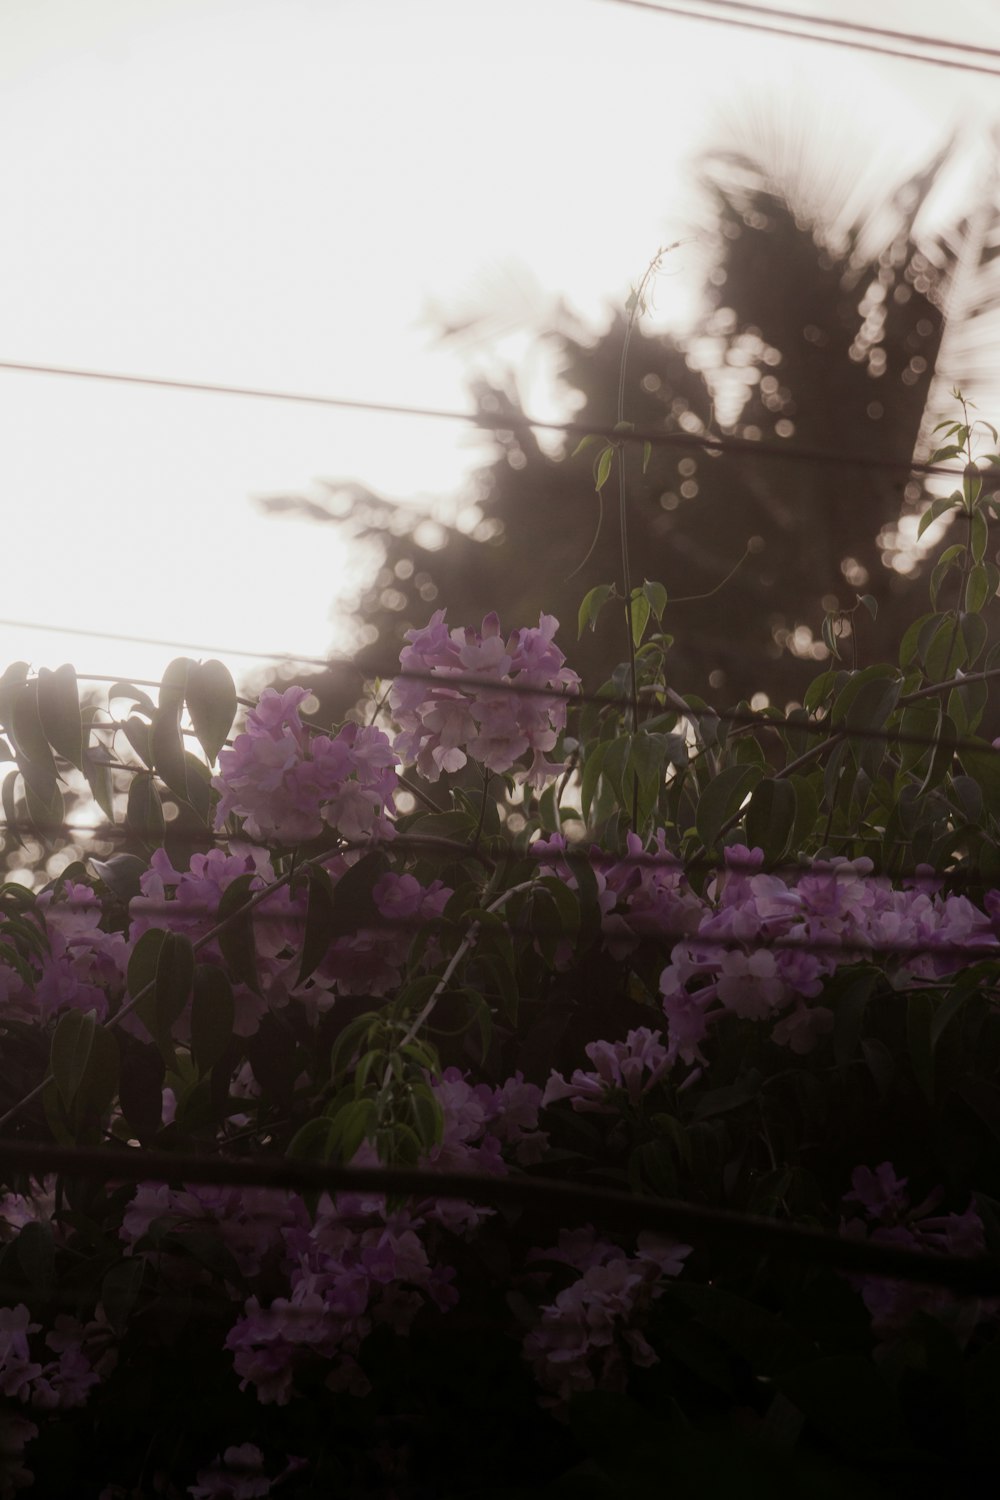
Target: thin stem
(455, 960)
(482, 809)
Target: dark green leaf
(174, 977)
(72, 1044)
(977, 593)
(771, 817)
(120, 1289)
(319, 920)
(592, 604)
(59, 711)
(919, 1019)
(212, 1012)
(36, 1252)
(211, 701)
(722, 800)
(122, 874)
(144, 814)
(935, 509)
(236, 938)
(167, 741)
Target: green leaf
(945, 652)
(236, 938)
(592, 768)
(977, 593)
(919, 724)
(849, 1004)
(586, 442)
(870, 603)
(867, 698)
(829, 637)
(140, 736)
(11, 682)
(101, 784)
(352, 1040)
(656, 595)
(211, 701)
(174, 977)
(647, 453)
(603, 468)
(313, 1141)
(649, 756)
(59, 712)
(36, 1252)
(722, 799)
(135, 695)
(166, 740)
(121, 874)
(144, 813)
(806, 812)
(978, 535)
(212, 1012)
(30, 741)
(143, 960)
(72, 1044)
(353, 904)
(771, 817)
(983, 765)
(120, 1290)
(950, 558)
(353, 1122)
(45, 807)
(319, 921)
(919, 1020)
(909, 650)
(935, 509)
(592, 604)
(638, 615)
(975, 634)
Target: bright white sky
(274, 192)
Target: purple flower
(287, 783)
(441, 726)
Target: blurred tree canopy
(815, 335)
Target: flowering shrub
(583, 948)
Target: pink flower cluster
(888, 1218)
(759, 947)
(369, 961)
(627, 1069)
(591, 1335)
(61, 1382)
(442, 726)
(346, 1275)
(287, 783)
(830, 917)
(80, 967)
(239, 1474)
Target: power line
(746, 718)
(979, 1275)
(944, 43)
(645, 930)
(855, 43)
(513, 421)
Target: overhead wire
(752, 18)
(513, 421)
(546, 1197)
(837, 867)
(762, 718)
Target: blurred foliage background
(831, 320)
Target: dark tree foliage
(812, 338)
